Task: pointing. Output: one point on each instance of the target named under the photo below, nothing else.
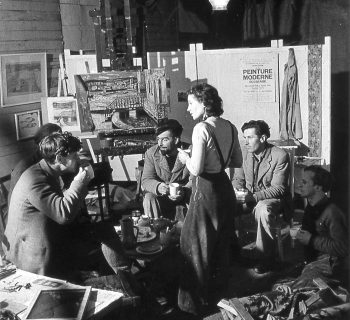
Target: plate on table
(149, 249)
(145, 235)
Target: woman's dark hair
(58, 144)
(260, 126)
(322, 177)
(209, 96)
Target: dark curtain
(258, 21)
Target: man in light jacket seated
(264, 177)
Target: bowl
(161, 224)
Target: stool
(103, 175)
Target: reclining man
(324, 234)
(324, 230)
(37, 238)
(264, 173)
(163, 167)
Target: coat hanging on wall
(290, 116)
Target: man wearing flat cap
(162, 167)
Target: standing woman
(207, 230)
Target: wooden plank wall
(27, 26)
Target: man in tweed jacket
(163, 167)
(264, 174)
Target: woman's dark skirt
(205, 243)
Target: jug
(128, 233)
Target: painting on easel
(122, 101)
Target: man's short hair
(58, 144)
(172, 125)
(321, 177)
(45, 130)
(261, 127)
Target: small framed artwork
(27, 123)
(62, 111)
(23, 78)
(63, 304)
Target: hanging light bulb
(219, 4)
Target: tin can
(135, 214)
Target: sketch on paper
(65, 113)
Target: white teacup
(174, 188)
(293, 231)
(240, 194)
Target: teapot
(128, 233)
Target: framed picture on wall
(62, 111)
(23, 78)
(27, 123)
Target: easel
(62, 78)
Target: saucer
(149, 249)
(145, 235)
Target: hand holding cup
(241, 195)
(293, 231)
(163, 188)
(82, 176)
